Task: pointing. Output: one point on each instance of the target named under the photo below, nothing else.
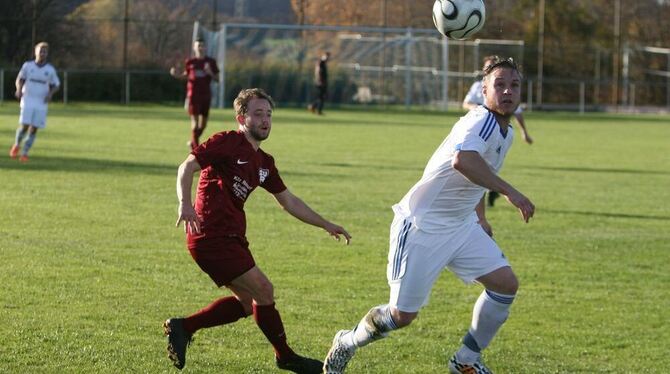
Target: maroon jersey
(197, 85)
(231, 170)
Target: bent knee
(403, 319)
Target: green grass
(92, 263)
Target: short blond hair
(241, 103)
(41, 44)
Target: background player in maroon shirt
(199, 71)
(232, 166)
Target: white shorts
(36, 117)
(416, 258)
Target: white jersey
(443, 197)
(38, 80)
(476, 96)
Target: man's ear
(240, 119)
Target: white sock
(376, 325)
(488, 315)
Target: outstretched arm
(298, 209)
(186, 212)
(522, 124)
(473, 167)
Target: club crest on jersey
(262, 174)
(498, 150)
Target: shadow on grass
(86, 165)
(583, 169)
(609, 215)
(370, 166)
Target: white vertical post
(529, 105)
(445, 74)
(127, 98)
(65, 77)
(581, 97)
(626, 58)
(408, 68)
(223, 32)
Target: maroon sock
(195, 136)
(220, 312)
(268, 319)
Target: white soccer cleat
(456, 367)
(338, 356)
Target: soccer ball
(458, 19)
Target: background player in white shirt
(474, 98)
(440, 223)
(35, 85)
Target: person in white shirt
(440, 223)
(474, 98)
(35, 85)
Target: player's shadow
(586, 169)
(608, 215)
(87, 165)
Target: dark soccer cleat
(178, 340)
(300, 365)
(457, 367)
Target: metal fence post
(408, 68)
(582, 90)
(127, 93)
(2, 85)
(529, 104)
(445, 73)
(65, 87)
(222, 67)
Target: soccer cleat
(178, 340)
(23, 158)
(338, 356)
(14, 151)
(301, 365)
(456, 367)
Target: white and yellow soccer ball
(459, 19)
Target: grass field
(92, 263)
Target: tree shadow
(608, 215)
(86, 165)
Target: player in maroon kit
(199, 71)
(232, 165)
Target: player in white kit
(440, 223)
(474, 98)
(35, 85)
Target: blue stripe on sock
(500, 298)
(470, 342)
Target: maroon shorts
(222, 258)
(199, 106)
